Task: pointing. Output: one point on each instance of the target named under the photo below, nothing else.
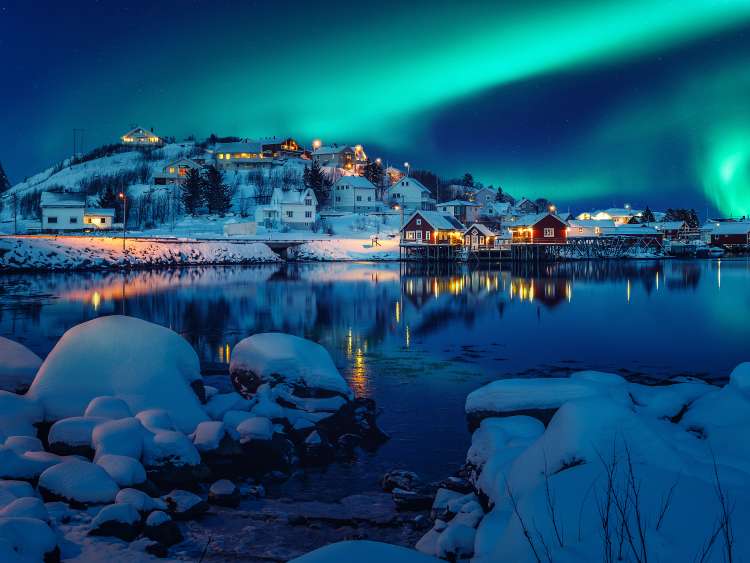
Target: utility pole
(14, 203)
(124, 199)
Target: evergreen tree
(192, 191)
(108, 199)
(468, 181)
(689, 216)
(374, 173)
(218, 194)
(647, 216)
(4, 181)
(316, 179)
(499, 196)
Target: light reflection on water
(418, 339)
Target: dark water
(418, 340)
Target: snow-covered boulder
(112, 408)
(23, 444)
(161, 528)
(18, 366)
(17, 489)
(218, 405)
(124, 470)
(27, 539)
(140, 500)
(224, 493)
(26, 465)
(119, 437)
(18, 414)
(276, 358)
(156, 420)
(73, 436)
(78, 483)
(255, 428)
(144, 364)
(170, 458)
(25, 507)
(209, 435)
(364, 552)
(184, 505)
(117, 520)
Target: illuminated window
(221, 156)
(171, 169)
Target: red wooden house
(542, 228)
(731, 234)
(432, 227)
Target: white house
(176, 171)
(620, 215)
(241, 155)
(410, 194)
(465, 211)
(66, 211)
(587, 228)
(142, 137)
(293, 208)
(355, 194)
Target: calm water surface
(418, 340)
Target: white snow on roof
(247, 146)
(532, 219)
(408, 181)
(355, 181)
(332, 149)
(459, 203)
(731, 228)
(484, 229)
(437, 220)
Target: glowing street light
(379, 160)
(124, 199)
(407, 166)
(552, 208)
(316, 144)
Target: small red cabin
(544, 228)
(731, 234)
(431, 227)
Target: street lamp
(407, 166)
(316, 144)
(124, 216)
(552, 208)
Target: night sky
(586, 103)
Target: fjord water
(418, 339)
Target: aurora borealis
(587, 103)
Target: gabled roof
(63, 199)
(247, 145)
(355, 181)
(484, 229)
(533, 219)
(138, 129)
(408, 181)
(524, 200)
(437, 220)
(291, 196)
(731, 228)
(591, 223)
(459, 203)
(332, 149)
(667, 225)
(177, 161)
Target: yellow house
(141, 137)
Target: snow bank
(18, 366)
(82, 253)
(143, 364)
(342, 249)
(25, 540)
(284, 358)
(666, 444)
(79, 482)
(125, 471)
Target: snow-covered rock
(118, 437)
(218, 405)
(156, 420)
(77, 482)
(276, 358)
(255, 428)
(224, 493)
(364, 552)
(26, 540)
(161, 528)
(145, 365)
(73, 435)
(23, 444)
(27, 465)
(25, 507)
(168, 447)
(112, 408)
(140, 500)
(117, 520)
(18, 366)
(184, 505)
(18, 414)
(208, 436)
(17, 489)
(124, 470)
